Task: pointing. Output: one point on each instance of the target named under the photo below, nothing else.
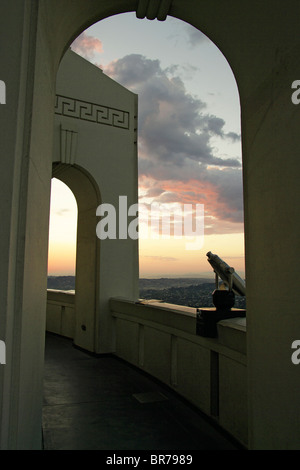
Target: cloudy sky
(189, 144)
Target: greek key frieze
(91, 112)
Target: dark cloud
(233, 136)
(175, 137)
(173, 125)
(133, 69)
(229, 188)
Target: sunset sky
(189, 140)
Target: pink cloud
(87, 46)
(220, 215)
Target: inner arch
(87, 253)
(62, 230)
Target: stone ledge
(232, 333)
(61, 297)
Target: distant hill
(68, 282)
(195, 295)
(61, 282)
(165, 282)
(191, 292)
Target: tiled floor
(105, 404)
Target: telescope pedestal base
(207, 319)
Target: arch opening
(62, 236)
(177, 172)
(78, 310)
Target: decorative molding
(68, 145)
(152, 9)
(91, 112)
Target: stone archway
(263, 50)
(41, 54)
(87, 197)
(264, 69)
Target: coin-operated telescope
(223, 297)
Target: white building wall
(95, 131)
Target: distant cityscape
(191, 292)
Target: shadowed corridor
(102, 403)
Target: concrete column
(26, 157)
(20, 315)
(272, 198)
